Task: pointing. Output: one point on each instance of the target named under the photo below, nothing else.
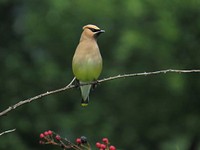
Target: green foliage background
(37, 43)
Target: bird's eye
(94, 30)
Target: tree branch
(8, 131)
(149, 73)
(70, 86)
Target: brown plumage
(87, 60)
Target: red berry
(105, 140)
(112, 148)
(103, 146)
(98, 145)
(58, 137)
(78, 140)
(50, 132)
(41, 135)
(46, 133)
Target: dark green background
(160, 112)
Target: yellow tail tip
(84, 104)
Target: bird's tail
(85, 90)
(84, 102)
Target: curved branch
(7, 131)
(149, 73)
(70, 86)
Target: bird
(87, 60)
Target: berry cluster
(50, 137)
(105, 145)
(81, 140)
(81, 143)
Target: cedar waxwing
(87, 60)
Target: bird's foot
(94, 85)
(76, 83)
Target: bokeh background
(160, 112)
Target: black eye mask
(94, 30)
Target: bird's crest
(90, 26)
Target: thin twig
(8, 131)
(70, 86)
(149, 73)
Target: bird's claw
(76, 83)
(94, 84)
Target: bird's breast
(87, 63)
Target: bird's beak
(102, 31)
(99, 32)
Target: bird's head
(91, 31)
